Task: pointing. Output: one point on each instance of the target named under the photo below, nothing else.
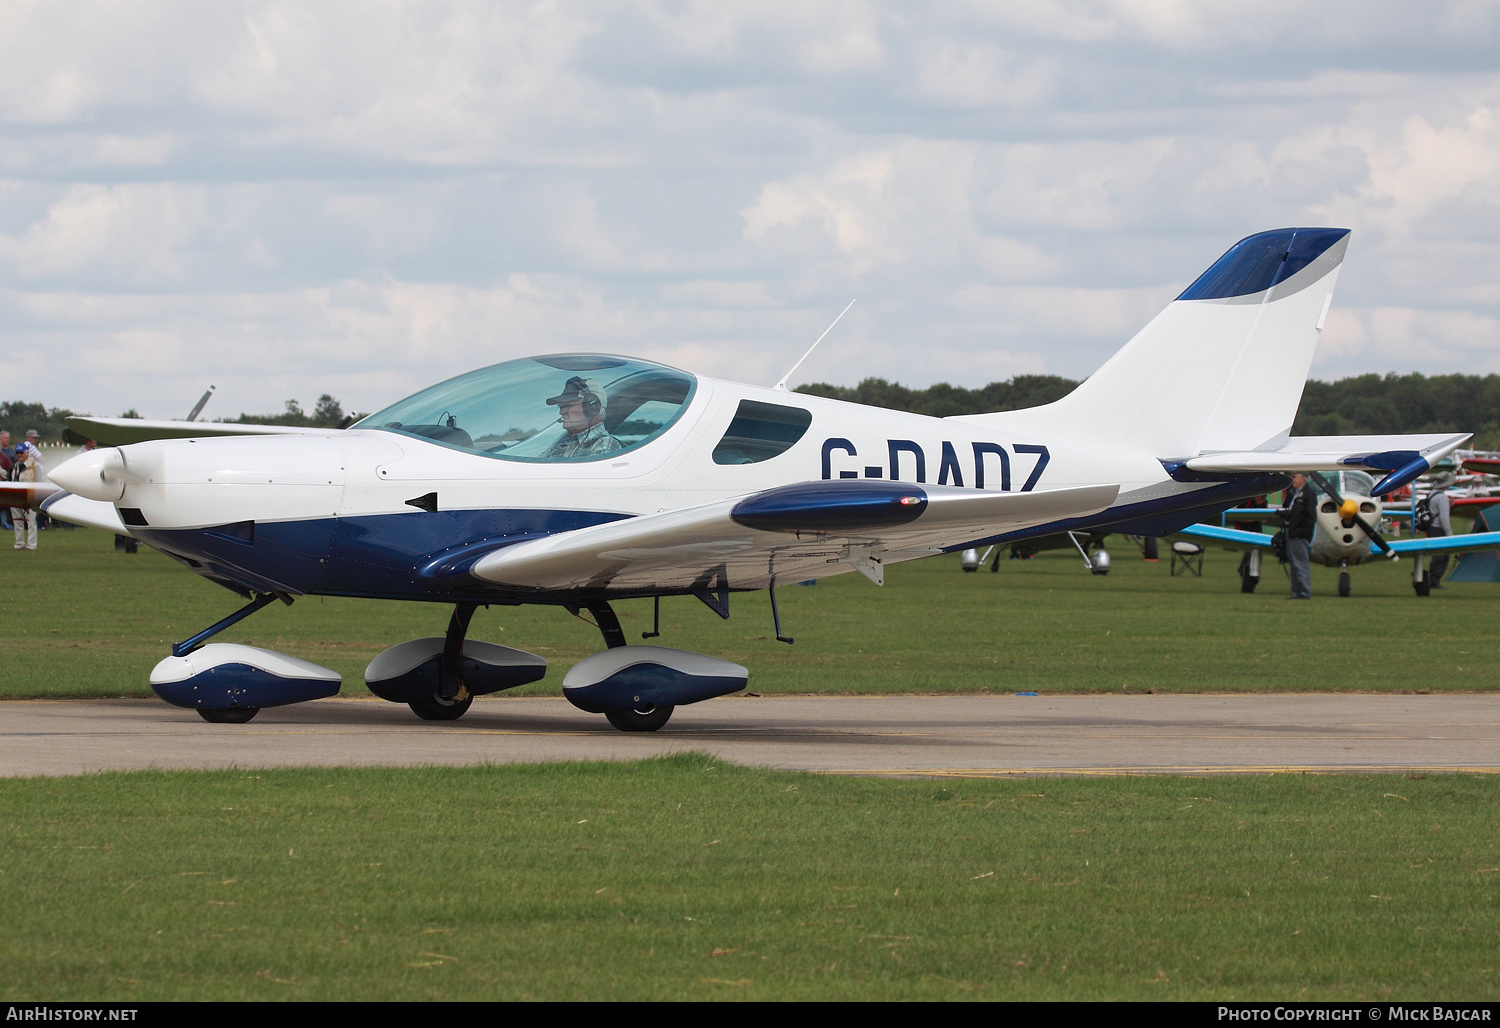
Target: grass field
(87, 621)
(683, 878)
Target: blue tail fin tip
(1258, 262)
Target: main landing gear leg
(609, 624)
(452, 699)
(649, 717)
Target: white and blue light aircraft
(580, 479)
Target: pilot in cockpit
(581, 409)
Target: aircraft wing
(1405, 457)
(1232, 536)
(122, 431)
(1468, 543)
(787, 534)
(27, 494)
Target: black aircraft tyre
(228, 715)
(434, 708)
(1343, 583)
(1248, 583)
(648, 719)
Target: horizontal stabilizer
(1401, 458)
(792, 533)
(122, 431)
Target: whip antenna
(782, 384)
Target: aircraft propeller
(1349, 511)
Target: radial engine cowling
(412, 671)
(632, 677)
(221, 676)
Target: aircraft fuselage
(376, 512)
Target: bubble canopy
(557, 408)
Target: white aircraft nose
(94, 474)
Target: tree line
(1350, 406)
(1363, 404)
(18, 416)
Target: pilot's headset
(586, 391)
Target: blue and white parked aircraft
(580, 479)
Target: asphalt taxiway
(881, 735)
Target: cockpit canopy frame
(502, 411)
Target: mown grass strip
(685, 878)
(93, 622)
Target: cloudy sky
(288, 199)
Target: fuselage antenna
(782, 384)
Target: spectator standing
(27, 467)
(34, 440)
(1299, 518)
(1442, 509)
(7, 458)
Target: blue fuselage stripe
(419, 555)
(378, 555)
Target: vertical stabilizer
(1223, 366)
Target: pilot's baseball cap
(579, 390)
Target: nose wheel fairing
(223, 676)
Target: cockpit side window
(761, 431)
(565, 407)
